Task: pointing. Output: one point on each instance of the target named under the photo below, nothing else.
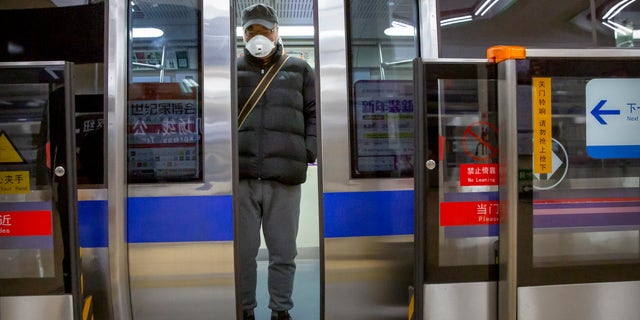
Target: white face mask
(260, 46)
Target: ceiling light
(460, 19)
(146, 33)
(400, 29)
(616, 9)
(485, 6)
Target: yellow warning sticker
(542, 126)
(14, 182)
(8, 152)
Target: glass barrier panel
(33, 224)
(579, 136)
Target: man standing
(276, 141)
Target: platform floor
(306, 291)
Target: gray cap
(261, 14)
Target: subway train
(476, 159)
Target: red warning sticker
(469, 213)
(25, 223)
(483, 174)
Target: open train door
(39, 252)
(456, 189)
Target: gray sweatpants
(277, 207)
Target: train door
(170, 159)
(297, 33)
(39, 250)
(456, 187)
(367, 139)
(569, 187)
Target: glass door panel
(460, 150)
(36, 181)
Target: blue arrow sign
(597, 112)
(619, 136)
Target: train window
(164, 101)
(468, 28)
(382, 46)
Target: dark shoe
(281, 315)
(248, 315)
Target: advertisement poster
(384, 128)
(163, 133)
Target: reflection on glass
(164, 109)
(468, 28)
(620, 17)
(382, 47)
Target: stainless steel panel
(95, 269)
(95, 266)
(217, 91)
(89, 78)
(581, 53)
(366, 277)
(59, 307)
(592, 301)
(193, 280)
(120, 302)
(508, 251)
(429, 26)
(92, 194)
(461, 301)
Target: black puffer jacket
(278, 138)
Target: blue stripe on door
(180, 219)
(376, 213)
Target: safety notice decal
(8, 152)
(469, 213)
(25, 223)
(483, 174)
(14, 182)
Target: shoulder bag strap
(260, 89)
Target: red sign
(25, 223)
(479, 174)
(468, 213)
